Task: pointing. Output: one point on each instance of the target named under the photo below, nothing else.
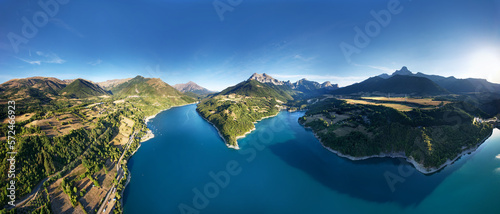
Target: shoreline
(237, 147)
(146, 120)
(418, 166)
(253, 129)
(220, 134)
(149, 135)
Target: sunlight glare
(485, 62)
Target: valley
(76, 136)
(249, 107)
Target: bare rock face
(264, 78)
(303, 83)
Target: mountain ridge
(192, 87)
(108, 84)
(80, 88)
(398, 84)
(452, 84)
(141, 86)
(267, 79)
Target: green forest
(431, 137)
(232, 118)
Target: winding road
(108, 202)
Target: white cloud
(51, 58)
(33, 62)
(300, 57)
(96, 62)
(381, 68)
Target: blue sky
(180, 41)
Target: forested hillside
(430, 137)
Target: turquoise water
(282, 168)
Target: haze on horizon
(217, 44)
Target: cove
(282, 168)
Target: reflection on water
(295, 174)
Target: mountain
(403, 71)
(384, 76)
(150, 94)
(328, 84)
(48, 85)
(192, 87)
(148, 87)
(452, 84)
(303, 85)
(80, 88)
(397, 84)
(254, 88)
(31, 90)
(234, 110)
(264, 78)
(112, 83)
(68, 81)
(469, 85)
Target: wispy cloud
(50, 58)
(95, 62)
(381, 68)
(305, 59)
(33, 62)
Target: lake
(282, 168)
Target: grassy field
(399, 103)
(420, 101)
(58, 125)
(125, 131)
(20, 118)
(399, 107)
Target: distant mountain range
(397, 84)
(193, 88)
(451, 84)
(302, 85)
(404, 81)
(45, 89)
